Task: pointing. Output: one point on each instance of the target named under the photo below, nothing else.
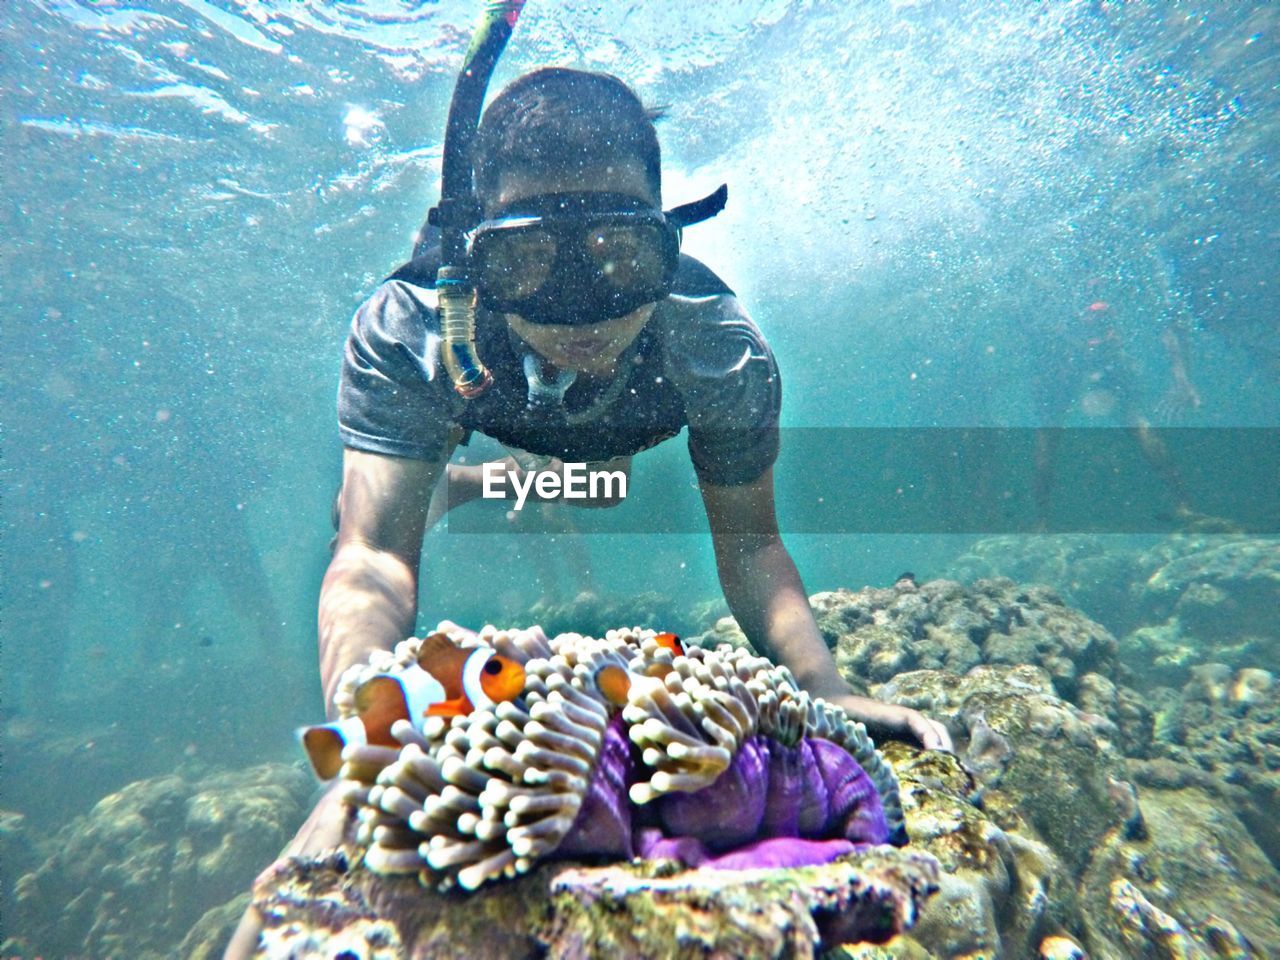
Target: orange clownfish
(447, 681)
(665, 641)
(670, 642)
(615, 682)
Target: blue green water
(940, 214)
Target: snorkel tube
(458, 211)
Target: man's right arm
(369, 597)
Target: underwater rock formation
(616, 748)
(100, 729)
(1222, 732)
(130, 878)
(1002, 889)
(1215, 603)
(1195, 886)
(18, 854)
(1112, 826)
(627, 911)
(1094, 574)
(1014, 733)
(1183, 601)
(320, 908)
(879, 633)
(1048, 851)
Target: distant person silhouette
(1083, 370)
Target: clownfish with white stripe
(669, 641)
(615, 683)
(447, 681)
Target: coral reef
(1046, 850)
(208, 939)
(627, 911)
(1002, 890)
(1216, 603)
(617, 748)
(18, 854)
(1225, 727)
(879, 633)
(104, 733)
(1176, 603)
(1079, 816)
(1017, 735)
(1034, 836)
(129, 879)
(1094, 574)
(1196, 885)
(644, 909)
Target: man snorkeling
(600, 341)
(593, 339)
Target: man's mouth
(579, 349)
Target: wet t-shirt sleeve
(728, 379)
(393, 397)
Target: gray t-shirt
(699, 362)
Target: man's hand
(898, 723)
(765, 594)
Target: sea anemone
(618, 748)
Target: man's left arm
(765, 594)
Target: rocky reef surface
(1040, 838)
(1175, 603)
(130, 878)
(1092, 809)
(321, 908)
(1066, 838)
(1099, 804)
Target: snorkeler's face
(591, 348)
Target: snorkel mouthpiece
(544, 394)
(457, 211)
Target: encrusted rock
(725, 630)
(1056, 762)
(17, 856)
(129, 879)
(1225, 592)
(1001, 888)
(628, 911)
(1212, 601)
(1094, 574)
(314, 908)
(1183, 601)
(1226, 725)
(1196, 886)
(877, 633)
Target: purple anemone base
(775, 806)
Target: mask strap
(687, 214)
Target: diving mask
(579, 258)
